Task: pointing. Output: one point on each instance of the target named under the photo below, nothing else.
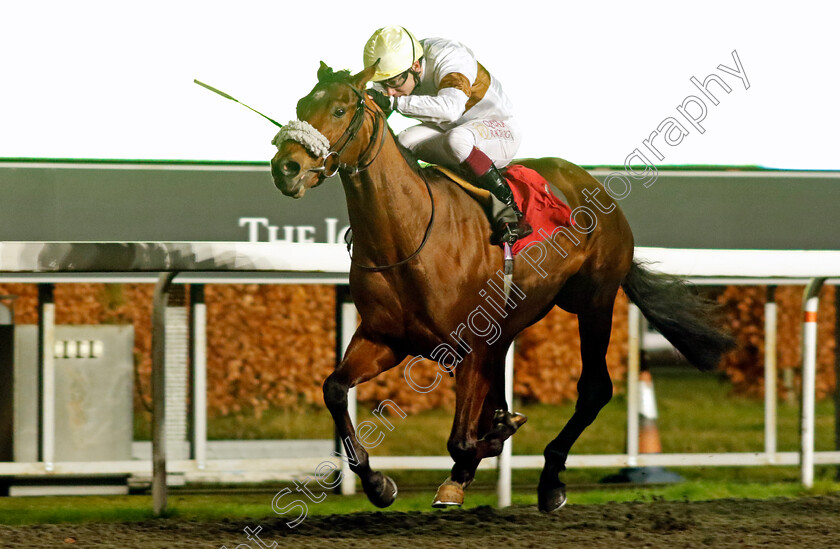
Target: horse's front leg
(482, 424)
(364, 360)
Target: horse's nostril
(290, 168)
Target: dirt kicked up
(804, 522)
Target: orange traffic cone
(649, 442)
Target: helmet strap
(415, 74)
(411, 70)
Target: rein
(377, 116)
(379, 268)
(378, 134)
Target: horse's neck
(389, 207)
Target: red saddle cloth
(542, 209)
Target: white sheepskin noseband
(304, 133)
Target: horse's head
(329, 133)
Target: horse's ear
(323, 71)
(361, 79)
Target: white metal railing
(297, 263)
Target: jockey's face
(393, 87)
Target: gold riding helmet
(396, 49)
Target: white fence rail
(48, 262)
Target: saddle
(532, 193)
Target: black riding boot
(506, 230)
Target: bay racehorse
(421, 269)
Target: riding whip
(226, 96)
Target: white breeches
(499, 140)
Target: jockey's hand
(383, 101)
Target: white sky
(589, 82)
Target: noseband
(317, 143)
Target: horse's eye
(339, 112)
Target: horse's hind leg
(594, 391)
(497, 423)
(486, 419)
(364, 360)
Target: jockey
(466, 118)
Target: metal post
(503, 485)
(810, 305)
(837, 373)
(198, 361)
(161, 299)
(634, 351)
(770, 374)
(46, 375)
(7, 377)
(346, 321)
(177, 377)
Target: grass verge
(253, 507)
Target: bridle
(378, 134)
(335, 151)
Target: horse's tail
(687, 320)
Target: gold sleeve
(482, 84)
(456, 80)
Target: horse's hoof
(509, 419)
(518, 419)
(551, 499)
(382, 491)
(449, 494)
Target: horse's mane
(328, 76)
